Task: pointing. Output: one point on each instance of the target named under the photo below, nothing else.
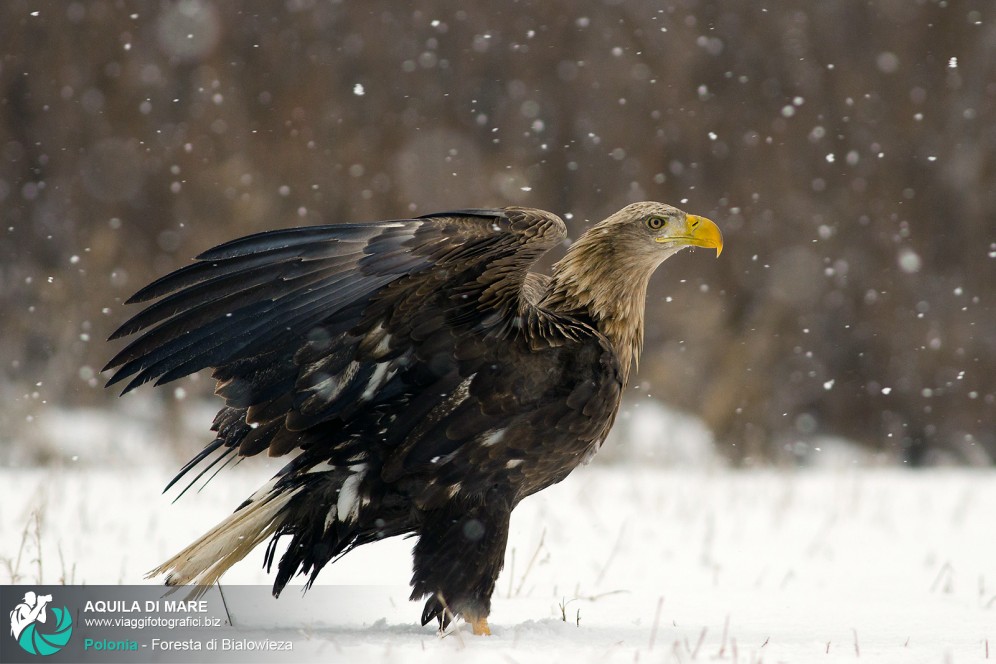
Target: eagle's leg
(460, 551)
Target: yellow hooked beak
(698, 232)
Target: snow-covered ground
(618, 563)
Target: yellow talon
(480, 626)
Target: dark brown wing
(255, 292)
(318, 326)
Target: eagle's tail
(204, 561)
(326, 513)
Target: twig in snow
(14, 568)
(722, 643)
(657, 620)
(563, 611)
(38, 544)
(857, 648)
(695, 653)
(67, 579)
(224, 603)
(598, 596)
(612, 555)
(532, 561)
(452, 620)
(827, 652)
(946, 572)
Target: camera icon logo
(31, 627)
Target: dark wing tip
(275, 240)
(115, 362)
(249, 244)
(144, 295)
(119, 333)
(165, 284)
(483, 213)
(120, 375)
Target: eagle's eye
(655, 223)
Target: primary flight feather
(421, 379)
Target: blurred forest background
(847, 150)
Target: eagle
(419, 378)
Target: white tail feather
(203, 562)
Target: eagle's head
(653, 231)
(607, 270)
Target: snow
(649, 563)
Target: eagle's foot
(479, 626)
(437, 608)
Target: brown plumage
(422, 378)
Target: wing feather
(239, 334)
(303, 236)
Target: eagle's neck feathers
(600, 280)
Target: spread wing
(315, 333)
